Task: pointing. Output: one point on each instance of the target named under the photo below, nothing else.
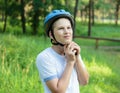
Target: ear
(50, 35)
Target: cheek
(71, 32)
(58, 33)
(58, 36)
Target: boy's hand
(71, 51)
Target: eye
(60, 28)
(69, 27)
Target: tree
(75, 12)
(92, 14)
(6, 15)
(23, 16)
(84, 9)
(35, 17)
(2, 10)
(89, 24)
(117, 12)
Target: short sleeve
(46, 67)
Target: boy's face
(63, 31)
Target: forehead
(62, 21)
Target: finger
(70, 47)
(75, 51)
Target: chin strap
(56, 43)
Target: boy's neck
(59, 49)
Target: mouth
(66, 36)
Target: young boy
(60, 66)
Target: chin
(68, 42)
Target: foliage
(17, 62)
(102, 66)
(36, 10)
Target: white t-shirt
(51, 65)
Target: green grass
(103, 66)
(107, 31)
(19, 74)
(17, 62)
(98, 30)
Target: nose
(66, 30)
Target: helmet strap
(56, 42)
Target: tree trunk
(75, 12)
(23, 17)
(35, 18)
(89, 23)
(35, 22)
(5, 19)
(93, 21)
(116, 13)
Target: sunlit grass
(98, 30)
(103, 68)
(19, 74)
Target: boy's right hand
(70, 52)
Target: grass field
(18, 53)
(98, 30)
(19, 74)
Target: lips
(66, 36)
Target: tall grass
(103, 66)
(17, 62)
(19, 74)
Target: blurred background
(22, 37)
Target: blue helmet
(53, 16)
